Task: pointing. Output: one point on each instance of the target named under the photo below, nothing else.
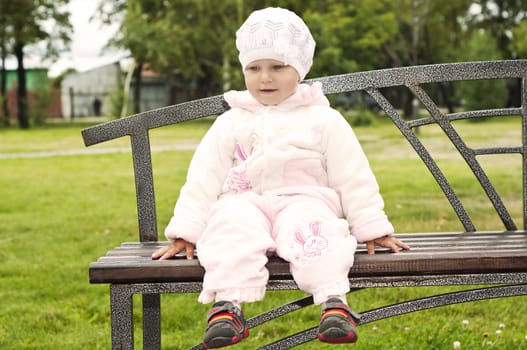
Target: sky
(88, 40)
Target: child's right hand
(170, 250)
(387, 241)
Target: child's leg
(233, 251)
(318, 245)
(321, 250)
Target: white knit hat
(276, 33)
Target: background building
(105, 84)
(79, 90)
(42, 97)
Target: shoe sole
(336, 336)
(220, 342)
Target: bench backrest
(372, 82)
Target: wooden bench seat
(432, 253)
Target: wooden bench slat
(141, 252)
(448, 253)
(417, 242)
(133, 271)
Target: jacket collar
(305, 95)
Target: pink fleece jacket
(299, 146)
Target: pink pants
(305, 230)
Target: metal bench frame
(121, 267)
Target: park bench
(488, 263)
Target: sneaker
(227, 326)
(337, 323)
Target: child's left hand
(388, 241)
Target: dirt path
(76, 152)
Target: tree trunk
(4, 113)
(23, 118)
(446, 92)
(137, 91)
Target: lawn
(60, 212)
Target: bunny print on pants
(315, 243)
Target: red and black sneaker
(337, 323)
(227, 326)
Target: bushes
(358, 116)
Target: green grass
(59, 213)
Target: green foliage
(28, 22)
(481, 45)
(363, 117)
(193, 41)
(444, 32)
(358, 108)
(39, 108)
(350, 35)
(194, 38)
(519, 44)
(499, 17)
(116, 100)
(487, 93)
(483, 94)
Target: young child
(276, 174)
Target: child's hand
(169, 251)
(388, 241)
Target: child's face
(269, 81)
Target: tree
(177, 38)
(502, 19)
(483, 94)
(427, 32)
(519, 41)
(28, 20)
(5, 39)
(193, 41)
(350, 34)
